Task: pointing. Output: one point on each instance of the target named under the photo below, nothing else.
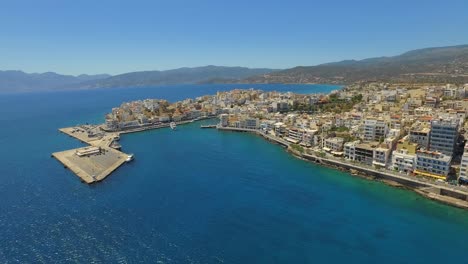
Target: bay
(199, 195)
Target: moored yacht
(129, 158)
(173, 125)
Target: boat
(129, 158)
(173, 125)
(115, 145)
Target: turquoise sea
(199, 196)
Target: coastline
(104, 159)
(442, 194)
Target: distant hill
(434, 65)
(206, 74)
(18, 81)
(430, 65)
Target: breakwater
(102, 156)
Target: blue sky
(74, 37)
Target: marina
(96, 161)
(103, 155)
(93, 167)
(147, 190)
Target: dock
(102, 156)
(208, 126)
(94, 167)
(96, 161)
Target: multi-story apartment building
(374, 129)
(250, 123)
(432, 163)
(350, 150)
(364, 153)
(280, 129)
(381, 156)
(308, 137)
(224, 120)
(334, 144)
(420, 136)
(443, 136)
(295, 134)
(404, 157)
(464, 165)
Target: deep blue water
(199, 196)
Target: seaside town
(413, 132)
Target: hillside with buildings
(416, 131)
(430, 65)
(206, 74)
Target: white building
(334, 144)
(250, 123)
(464, 164)
(420, 136)
(224, 120)
(403, 161)
(381, 156)
(350, 150)
(295, 135)
(404, 157)
(151, 104)
(308, 137)
(374, 129)
(280, 128)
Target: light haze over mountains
(433, 65)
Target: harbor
(92, 167)
(103, 154)
(96, 161)
(304, 135)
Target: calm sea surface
(199, 196)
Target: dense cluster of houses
(413, 130)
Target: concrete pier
(91, 165)
(94, 167)
(95, 162)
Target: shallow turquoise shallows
(199, 196)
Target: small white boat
(173, 125)
(129, 158)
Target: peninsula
(404, 134)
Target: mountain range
(18, 81)
(430, 65)
(206, 74)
